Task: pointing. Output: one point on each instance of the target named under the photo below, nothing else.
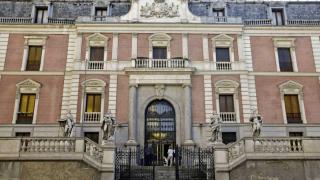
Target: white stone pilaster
(185, 51)
(72, 47)
(132, 114)
(208, 97)
(247, 53)
(205, 47)
(3, 49)
(112, 104)
(188, 140)
(134, 46)
(246, 107)
(115, 43)
(315, 40)
(70, 94)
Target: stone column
(132, 115)
(187, 115)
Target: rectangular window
(292, 109)
(218, 12)
(41, 15)
(229, 137)
(100, 13)
(26, 109)
(96, 53)
(222, 55)
(226, 103)
(93, 103)
(34, 58)
(285, 62)
(159, 52)
(93, 136)
(277, 17)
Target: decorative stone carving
(256, 122)
(159, 9)
(215, 127)
(69, 124)
(108, 126)
(159, 91)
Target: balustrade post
(221, 161)
(108, 160)
(79, 145)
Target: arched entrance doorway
(160, 129)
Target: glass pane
(96, 53)
(31, 103)
(23, 103)
(159, 52)
(284, 57)
(222, 55)
(226, 103)
(89, 103)
(97, 103)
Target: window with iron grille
(34, 58)
(96, 53)
(41, 15)
(26, 109)
(285, 61)
(292, 109)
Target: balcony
(258, 22)
(221, 20)
(228, 117)
(29, 20)
(90, 65)
(268, 22)
(92, 117)
(303, 22)
(228, 66)
(160, 63)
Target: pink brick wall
(198, 114)
(143, 45)
(55, 53)
(122, 99)
(124, 48)
(176, 45)
(269, 98)
(49, 100)
(195, 47)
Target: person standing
(170, 156)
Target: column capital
(186, 85)
(133, 85)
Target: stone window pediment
(291, 87)
(226, 87)
(97, 40)
(28, 86)
(159, 40)
(94, 85)
(284, 42)
(222, 40)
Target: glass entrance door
(160, 131)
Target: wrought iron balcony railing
(294, 118)
(29, 20)
(24, 118)
(160, 63)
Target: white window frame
(159, 40)
(292, 88)
(225, 87)
(283, 11)
(223, 41)
(41, 5)
(27, 86)
(284, 42)
(97, 40)
(96, 86)
(33, 41)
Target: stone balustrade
(278, 145)
(160, 63)
(228, 66)
(304, 22)
(228, 117)
(90, 65)
(258, 22)
(92, 117)
(45, 145)
(93, 150)
(15, 20)
(60, 21)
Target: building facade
(162, 68)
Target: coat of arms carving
(159, 9)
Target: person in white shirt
(170, 156)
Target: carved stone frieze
(159, 9)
